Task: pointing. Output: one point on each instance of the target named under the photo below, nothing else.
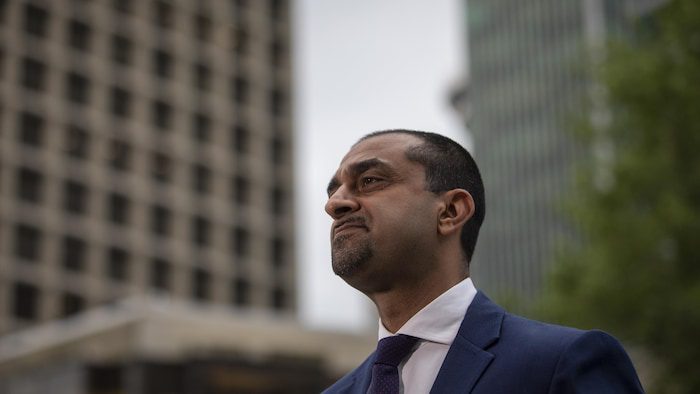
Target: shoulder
(573, 358)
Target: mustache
(353, 220)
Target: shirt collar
(439, 321)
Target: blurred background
(163, 166)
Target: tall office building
(528, 85)
(145, 147)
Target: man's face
(384, 217)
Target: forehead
(390, 148)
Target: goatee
(347, 258)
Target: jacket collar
(467, 358)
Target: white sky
(360, 66)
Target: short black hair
(447, 166)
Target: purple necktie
(385, 373)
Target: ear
(458, 207)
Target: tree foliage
(636, 272)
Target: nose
(341, 203)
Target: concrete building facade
(145, 148)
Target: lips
(348, 225)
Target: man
(407, 207)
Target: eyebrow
(359, 168)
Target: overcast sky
(360, 66)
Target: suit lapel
(361, 378)
(467, 358)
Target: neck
(397, 305)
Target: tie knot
(392, 350)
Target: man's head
(447, 166)
(397, 195)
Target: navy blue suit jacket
(496, 352)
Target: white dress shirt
(436, 325)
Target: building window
(202, 27)
(117, 264)
(161, 218)
(29, 185)
(201, 178)
(118, 208)
(279, 298)
(77, 142)
(27, 242)
(161, 167)
(79, 35)
(240, 292)
(279, 252)
(201, 283)
(277, 53)
(240, 90)
(75, 197)
(164, 14)
(162, 114)
(277, 102)
(120, 102)
(277, 199)
(202, 127)
(77, 88)
(74, 253)
(239, 40)
(277, 151)
(33, 74)
(123, 6)
(25, 300)
(162, 64)
(160, 274)
(36, 20)
(121, 49)
(72, 304)
(202, 77)
(119, 155)
(277, 8)
(31, 128)
(241, 139)
(241, 241)
(241, 190)
(200, 231)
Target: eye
(369, 182)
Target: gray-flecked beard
(348, 257)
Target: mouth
(347, 226)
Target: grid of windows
(134, 162)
